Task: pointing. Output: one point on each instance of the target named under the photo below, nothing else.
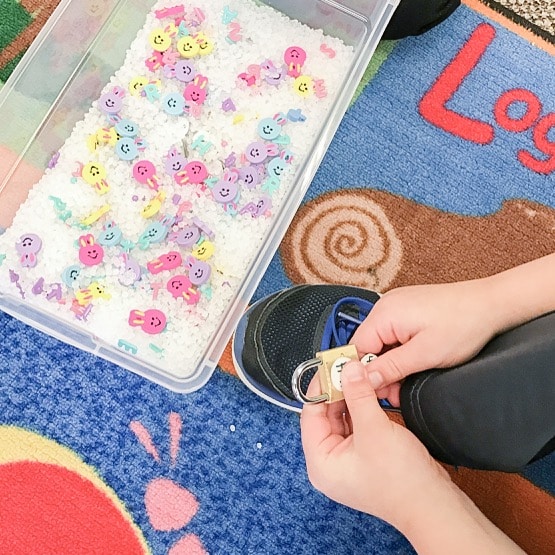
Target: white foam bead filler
(237, 239)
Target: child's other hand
(422, 327)
(358, 457)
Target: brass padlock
(329, 364)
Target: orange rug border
(497, 17)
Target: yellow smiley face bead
(94, 291)
(206, 46)
(304, 86)
(188, 47)
(154, 206)
(204, 251)
(92, 143)
(94, 174)
(107, 136)
(137, 84)
(159, 40)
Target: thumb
(360, 398)
(398, 363)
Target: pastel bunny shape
(151, 321)
(196, 92)
(28, 246)
(90, 253)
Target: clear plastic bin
(65, 71)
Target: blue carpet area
(384, 143)
(251, 482)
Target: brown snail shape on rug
(380, 241)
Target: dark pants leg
(494, 412)
(414, 17)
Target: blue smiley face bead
(111, 236)
(126, 149)
(276, 167)
(127, 128)
(70, 275)
(269, 129)
(173, 104)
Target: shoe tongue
(292, 334)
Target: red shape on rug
(525, 121)
(544, 144)
(433, 104)
(48, 509)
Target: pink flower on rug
(188, 545)
(169, 505)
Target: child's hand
(362, 459)
(356, 456)
(422, 327)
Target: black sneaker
(494, 412)
(287, 328)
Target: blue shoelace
(340, 326)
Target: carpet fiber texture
(436, 174)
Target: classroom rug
(442, 169)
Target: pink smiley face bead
(196, 92)
(294, 57)
(90, 253)
(194, 173)
(181, 287)
(151, 321)
(145, 172)
(168, 261)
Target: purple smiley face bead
(112, 102)
(225, 191)
(184, 71)
(256, 152)
(28, 247)
(249, 176)
(199, 271)
(175, 162)
(187, 236)
(263, 205)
